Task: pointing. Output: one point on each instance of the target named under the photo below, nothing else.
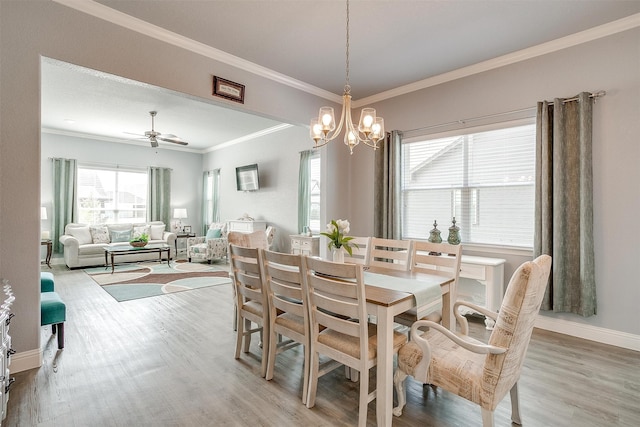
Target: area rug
(142, 280)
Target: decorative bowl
(138, 244)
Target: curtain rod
(117, 166)
(594, 95)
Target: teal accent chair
(53, 311)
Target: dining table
(388, 298)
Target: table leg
(384, 369)
(448, 321)
(112, 263)
(49, 250)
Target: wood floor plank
(168, 361)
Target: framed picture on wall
(227, 89)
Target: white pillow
(82, 234)
(140, 230)
(100, 234)
(157, 231)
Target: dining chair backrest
(257, 239)
(336, 297)
(285, 284)
(441, 259)
(359, 251)
(390, 253)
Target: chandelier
(369, 131)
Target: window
(314, 192)
(485, 180)
(111, 195)
(211, 196)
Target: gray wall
(278, 158)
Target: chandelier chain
(347, 86)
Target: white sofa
(84, 244)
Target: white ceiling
(395, 46)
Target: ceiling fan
(154, 136)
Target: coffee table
(128, 250)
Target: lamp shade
(43, 213)
(179, 213)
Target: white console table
(305, 245)
(246, 226)
(482, 282)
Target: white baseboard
(588, 332)
(26, 360)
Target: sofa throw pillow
(213, 233)
(99, 234)
(140, 230)
(120, 236)
(157, 231)
(82, 234)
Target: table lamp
(179, 214)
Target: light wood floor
(168, 361)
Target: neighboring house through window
(483, 179)
(314, 193)
(111, 195)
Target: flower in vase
(336, 231)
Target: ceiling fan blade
(174, 140)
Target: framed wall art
(228, 89)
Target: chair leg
(239, 334)
(271, 359)
(313, 378)
(60, 336)
(305, 372)
(487, 418)
(247, 336)
(515, 405)
(398, 380)
(364, 398)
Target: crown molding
(571, 40)
(104, 138)
(249, 137)
(113, 16)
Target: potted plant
(140, 241)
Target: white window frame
(117, 208)
(315, 191)
(457, 201)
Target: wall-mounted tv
(247, 178)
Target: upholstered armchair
(481, 373)
(209, 247)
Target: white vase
(337, 254)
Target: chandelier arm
(346, 106)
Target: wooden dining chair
(256, 240)
(251, 299)
(481, 373)
(288, 309)
(339, 326)
(359, 251)
(390, 253)
(441, 259)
